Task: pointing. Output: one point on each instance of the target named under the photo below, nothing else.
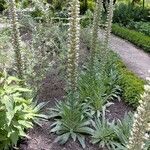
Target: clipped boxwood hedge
(134, 37)
(132, 86)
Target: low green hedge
(132, 86)
(136, 38)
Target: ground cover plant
(18, 111)
(95, 78)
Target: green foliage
(141, 26)
(6, 51)
(17, 113)
(124, 13)
(136, 38)
(131, 85)
(37, 13)
(59, 4)
(48, 45)
(99, 88)
(92, 90)
(104, 133)
(2, 5)
(87, 5)
(86, 19)
(25, 3)
(122, 131)
(73, 121)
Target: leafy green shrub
(131, 85)
(98, 89)
(104, 133)
(17, 113)
(124, 13)
(37, 13)
(122, 131)
(73, 122)
(136, 38)
(87, 19)
(91, 5)
(141, 26)
(25, 3)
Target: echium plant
(109, 23)
(97, 17)
(73, 45)
(16, 40)
(141, 126)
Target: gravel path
(135, 58)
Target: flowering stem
(97, 17)
(141, 123)
(73, 44)
(105, 51)
(109, 23)
(16, 40)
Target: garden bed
(53, 90)
(62, 88)
(42, 139)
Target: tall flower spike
(109, 23)
(73, 44)
(16, 40)
(97, 17)
(140, 128)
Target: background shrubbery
(136, 38)
(143, 27)
(2, 5)
(125, 13)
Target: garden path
(135, 58)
